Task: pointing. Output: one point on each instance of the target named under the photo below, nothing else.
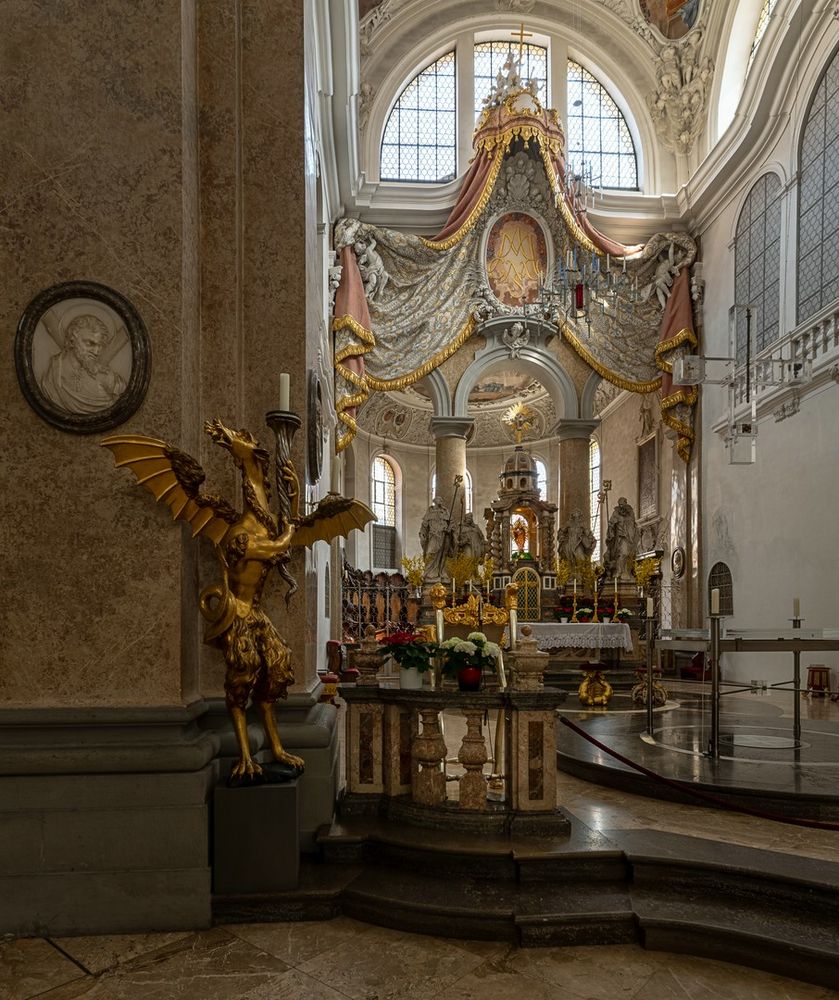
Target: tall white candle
(575, 585)
(285, 388)
(796, 607)
(649, 607)
(616, 593)
(715, 601)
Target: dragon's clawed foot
(245, 767)
(291, 759)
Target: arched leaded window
(818, 198)
(594, 489)
(763, 18)
(383, 492)
(490, 58)
(467, 488)
(541, 478)
(757, 265)
(720, 579)
(419, 141)
(598, 136)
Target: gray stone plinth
(256, 844)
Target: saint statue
(470, 539)
(518, 529)
(576, 542)
(75, 379)
(621, 541)
(436, 539)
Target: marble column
(574, 438)
(450, 436)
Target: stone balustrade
(396, 757)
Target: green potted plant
(466, 659)
(413, 652)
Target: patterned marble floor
(344, 959)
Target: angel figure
(248, 544)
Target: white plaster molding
(677, 106)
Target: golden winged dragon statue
(248, 544)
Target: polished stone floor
(342, 959)
(757, 755)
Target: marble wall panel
(101, 185)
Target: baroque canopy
(517, 243)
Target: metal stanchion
(714, 742)
(650, 634)
(796, 686)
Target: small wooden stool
(818, 680)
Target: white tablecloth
(585, 635)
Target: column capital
(572, 429)
(460, 427)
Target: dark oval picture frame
(38, 387)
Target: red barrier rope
(689, 790)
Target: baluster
(428, 751)
(473, 755)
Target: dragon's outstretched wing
(174, 478)
(334, 515)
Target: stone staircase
(775, 912)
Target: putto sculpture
(248, 544)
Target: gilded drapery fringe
(610, 376)
(686, 396)
(684, 336)
(564, 207)
(685, 432)
(474, 215)
(349, 401)
(366, 382)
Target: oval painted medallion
(516, 258)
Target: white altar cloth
(582, 635)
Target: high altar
(521, 532)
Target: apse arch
(534, 359)
(441, 396)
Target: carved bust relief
(82, 357)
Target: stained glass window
(598, 136)
(818, 198)
(490, 58)
(383, 492)
(763, 19)
(757, 265)
(420, 136)
(594, 489)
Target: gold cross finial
(521, 34)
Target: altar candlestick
(616, 594)
(649, 607)
(715, 601)
(285, 385)
(796, 607)
(575, 586)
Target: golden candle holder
(594, 617)
(574, 609)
